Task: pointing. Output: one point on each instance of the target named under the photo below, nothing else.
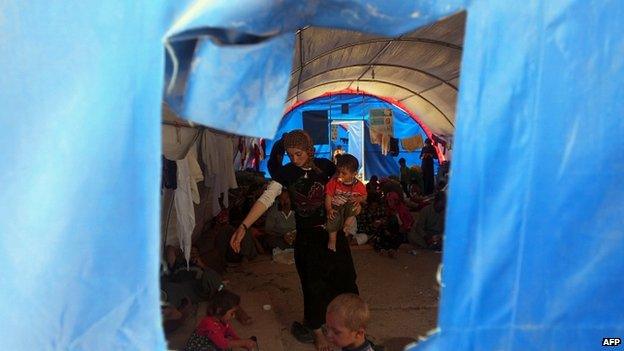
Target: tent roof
(419, 69)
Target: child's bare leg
(331, 244)
(348, 222)
(357, 210)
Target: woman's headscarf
(301, 140)
(397, 206)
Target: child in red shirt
(214, 332)
(343, 195)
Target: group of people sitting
(391, 217)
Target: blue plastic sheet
(534, 241)
(375, 162)
(80, 144)
(236, 83)
(355, 131)
(535, 221)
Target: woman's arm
(258, 209)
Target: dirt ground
(402, 294)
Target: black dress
(427, 168)
(324, 274)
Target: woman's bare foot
(320, 341)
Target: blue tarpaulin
(534, 239)
(360, 105)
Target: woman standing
(427, 154)
(324, 274)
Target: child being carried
(343, 196)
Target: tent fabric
(534, 238)
(420, 68)
(375, 162)
(355, 131)
(80, 144)
(212, 42)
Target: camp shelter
(348, 113)
(534, 229)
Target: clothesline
(198, 126)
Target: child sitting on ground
(346, 320)
(343, 195)
(214, 332)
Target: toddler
(346, 320)
(343, 195)
(214, 332)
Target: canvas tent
(80, 140)
(419, 69)
(354, 138)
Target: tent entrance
(349, 136)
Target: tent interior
(533, 235)
(341, 120)
(417, 72)
(338, 78)
(533, 231)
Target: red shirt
(342, 193)
(218, 332)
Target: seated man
(280, 225)
(428, 231)
(223, 231)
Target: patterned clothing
(368, 216)
(342, 193)
(324, 274)
(200, 343)
(211, 332)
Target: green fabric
(342, 213)
(429, 223)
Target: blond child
(346, 319)
(343, 196)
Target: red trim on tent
(386, 99)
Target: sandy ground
(402, 294)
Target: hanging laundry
(239, 156)
(394, 147)
(218, 157)
(244, 152)
(385, 144)
(185, 212)
(262, 149)
(176, 141)
(412, 144)
(376, 138)
(255, 164)
(195, 172)
(252, 153)
(169, 174)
